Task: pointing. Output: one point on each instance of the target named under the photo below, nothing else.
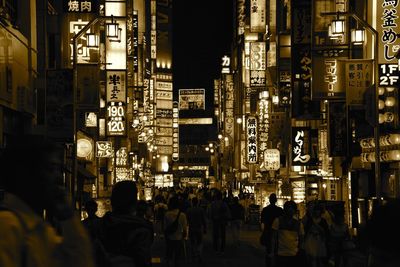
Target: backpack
(173, 227)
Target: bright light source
(357, 36)
(92, 40)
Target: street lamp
(367, 26)
(212, 148)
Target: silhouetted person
(196, 217)
(268, 215)
(383, 234)
(125, 235)
(175, 241)
(288, 234)
(220, 215)
(237, 214)
(92, 222)
(31, 183)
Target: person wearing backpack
(127, 238)
(175, 232)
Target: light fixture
(357, 36)
(337, 26)
(331, 35)
(118, 38)
(92, 40)
(112, 28)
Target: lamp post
(92, 41)
(366, 25)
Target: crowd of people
(40, 227)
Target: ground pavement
(248, 253)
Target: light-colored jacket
(26, 237)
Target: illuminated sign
(115, 118)
(331, 83)
(81, 6)
(83, 53)
(121, 157)
(90, 119)
(388, 75)
(300, 145)
(228, 111)
(358, 79)
(175, 127)
(263, 128)
(226, 63)
(84, 148)
(257, 56)
(116, 86)
(271, 159)
(190, 99)
(252, 139)
(104, 149)
(387, 26)
(257, 16)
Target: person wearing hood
(124, 233)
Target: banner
(337, 129)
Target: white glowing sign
(116, 118)
(116, 86)
(121, 157)
(104, 149)
(252, 142)
(298, 148)
(257, 16)
(82, 52)
(388, 30)
(81, 6)
(271, 159)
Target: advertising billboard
(191, 99)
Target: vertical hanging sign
(252, 139)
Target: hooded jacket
(128, 235)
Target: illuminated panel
(195, 121)
(388, 28)
(257, 16)
(104, 149)
(191, 99)
(252, 139)
(175, 127)
(116, 119)
(116, 86)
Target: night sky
(202, 34)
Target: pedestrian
(237, 214)
(126, 237)
(268, 215)
(197, 223)
(288, 233)
(316, 238)
(31, 193)
(175, 241)
(93, 225)
(383, 235)
(339, 237)
(160, 208)
(220, 215)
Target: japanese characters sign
(258, 16)
(271, 159)
(81, 6)
(252, 139)
(301, 146)
(104, 149)
(190, 99)
(358, 79)
(388, 29)
(257, 56)
(328, 79)
(116, 86)
(116, 118)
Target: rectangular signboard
(190, 99)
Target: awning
(85, 173)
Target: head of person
(141, 208)
(273, 199)
(32, 169)
(124, 197)
(383, 234)
(173, 203)
(289, 208)
(195, 201)
(91, 207)
(317, 211)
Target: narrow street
(249, 252)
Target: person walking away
(160, 208)
(175, 246)
(93, 226)
(197, 223)
(220, 215)
(339, 236)
(126, 237)
(268, 215)
(237, 212)
(316, 238)
(31, 185)
(287, 237)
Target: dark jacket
(128, 235)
